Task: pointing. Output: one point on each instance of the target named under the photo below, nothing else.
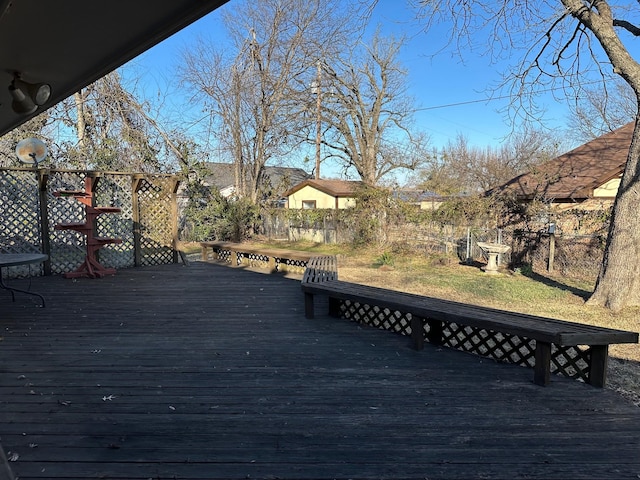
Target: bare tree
(602, 109)
(462, 168)
(368, 113)
(253, 88)
(569, 41)
(112, 130)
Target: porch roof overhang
(69, 44)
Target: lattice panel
(499, 346)
(572, 362)
(156, 226)
(375, 316)
(291, 266)
(223, 255)
(115, 191)
(68, 248)
(254, 260)
(20, 219)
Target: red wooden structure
(90, 267)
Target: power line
(468, 102)
(490, 99)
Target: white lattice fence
(146, 223)
(20, 227)
(157, 231)
(115, 191)
(67, 248)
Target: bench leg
(542, 368)
(308, 305)
(598, 365)
(435, 332)
(233, 256)
(204, 254)
(417, 332)
(334, 307)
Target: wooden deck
(207, 372)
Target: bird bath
(493, 250)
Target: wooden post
(552, 246)
(334, 307)
(434, 335)
(174, 219)
(308, 305)
(233, 254)
(417, 332)
(598, 365)
(542, 368)
(136, 182)
(272, 264)
(43, 178)
(468, 255)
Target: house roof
(576, 174)
(335, 188)
(71, 43)
(414, 195)
(223, 175)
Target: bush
(219, 218)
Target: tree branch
(628, 26)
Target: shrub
(218, 218)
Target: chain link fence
(540, 250)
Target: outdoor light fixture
(27, 97)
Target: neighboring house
(424, 199)
(588, 176)
(275, 182)
(333, 194)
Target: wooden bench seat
(239, 254)
(574, 349)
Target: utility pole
(318, 119)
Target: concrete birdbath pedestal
(493, 250)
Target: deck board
(207, 372)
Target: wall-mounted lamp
(27, 97)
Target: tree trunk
(81, 126)
(618, 283)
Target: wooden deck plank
(206, 372)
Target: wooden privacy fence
(29, 212)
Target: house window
(308, 204)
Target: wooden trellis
(29, 212)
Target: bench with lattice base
(547, 345)
(243, 255)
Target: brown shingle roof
(222, 175)
(335, 188)
(576, 174)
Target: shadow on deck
(207, 372)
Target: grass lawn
(537, 293)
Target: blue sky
(450, 92)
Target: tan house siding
(344, 202)
(325, 194)
(607, 189)
(310, 194)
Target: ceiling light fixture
(27, 97)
